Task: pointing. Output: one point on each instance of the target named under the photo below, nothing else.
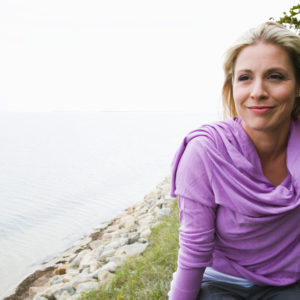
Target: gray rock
(146, 222)
(66, 289)
(127, 222)
(105, 277)
(89, 262)
(76, 262)
(113, 245)
(145, 233)
(131, 250)
(133, 238)
(87, 287)
(95, 244)
(110, 266)
(164, 212)
(40, 297)
(142, 240)
(57, 279)
(81, 279)
(105, 254)
(97, 252)
(57, 290)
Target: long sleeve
(196, 240)
(197, 222)
(186, 284)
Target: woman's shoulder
(202, 144)
(213, 134)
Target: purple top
(231, 217)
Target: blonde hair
(269, 32)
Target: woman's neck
(271, 147)
(269, 143)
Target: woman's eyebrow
(277, 69)
(244, 70)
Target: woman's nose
(258, 90)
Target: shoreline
(92, 260)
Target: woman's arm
(196, 240)
(192, 174)
(186, 284)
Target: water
(64, 173)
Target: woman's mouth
(260, 109)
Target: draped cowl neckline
(236, 175)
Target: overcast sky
(86, 55)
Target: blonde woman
(238, 181)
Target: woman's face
(264, 87)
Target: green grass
(148, 275)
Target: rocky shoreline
(93, 260)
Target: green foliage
(291, 19)
(146, 276)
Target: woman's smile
(260, 109)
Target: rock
(106, 254)
(143, 240)
(64, 296)
(127, 222)
(95, 244)
(94, 275)
(66, 289)
(106, 236)
(131, 250)
(146, 222)
(76, 262)
(133, 238)
(105, 277)
(34, 290)
(164, 212)
(89, 261)
(118, 260)
(87, 287)
(146, 233)
(112, 228)
(98, 251)
(113, 245)
(69, 255)
(61, 270)
(39, 297)
(116, 234)
(124, 241)
(56, 280)
(56, 291)
(110, 266)
(71, 272)
(81, 279)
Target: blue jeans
(213, 290)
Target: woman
(238, 181)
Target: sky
(120, 55)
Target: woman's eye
(276, 76)
(243, 77)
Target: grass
(148, 275)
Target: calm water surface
(64, 173)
